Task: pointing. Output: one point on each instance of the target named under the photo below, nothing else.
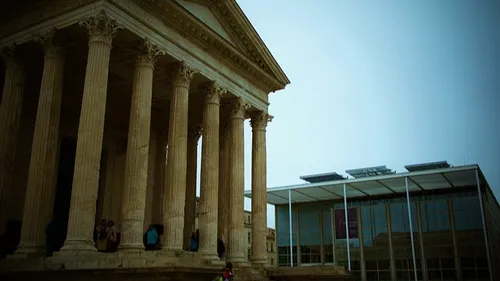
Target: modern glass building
(434, 222)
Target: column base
(210, 256)
(170, 252)
(30, 250)
(259, 262)
(236, 259)
(83, 245)
(131, 248)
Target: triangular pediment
(226, 18)
(201, 10)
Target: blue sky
(380, 83)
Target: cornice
(231, 12)
(174, 15)
(253, 36)
(38, 12)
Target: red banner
(352, 217)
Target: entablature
(45, 15)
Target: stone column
(10, 117)
(259, 188)
(194, 134)
(136, 163)
(209, 191)
(90, 133)
(176, 172)
(40, 190)
(237, 246)
(223, 204)
(160, 164)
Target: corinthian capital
(148, 53)
(238, 108)
(195, 132)
(51, 43)
(213, 92)
(10, 56)
(101, 28)
(259, 120)
(182, 75)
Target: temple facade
(102, 109)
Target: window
(249, 237)
(272, 247)
(310, 235)
(375, 240)
(283, 235)
(272, 261)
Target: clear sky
(380, 83)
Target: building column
(136, 163)
(423, 261)
(194, 134)
(90, 134)
(392, 260)
(209, 191)
(160, 165)
(259, 188)
(237, 251)
(177, 159)
(223, 204)
(10, 117)
(40, 190)
(456, 257)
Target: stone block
(152, 263)
(113, 263)
(71, 264)
(88, 264)
(134, 262)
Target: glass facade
(447, 233)
(283, 231)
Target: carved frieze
(36, 12)
(188, 26)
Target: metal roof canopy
(370, 172)
(447, 178)
(323, 177)
(427, 166)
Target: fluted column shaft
(237, 246)
(259, 188)
(136, 161)
(209, 191)
(223, 204)
(192, 168)
(160, 165)
(40, 188)
(177, 159)
(90, 134)
(10, 116)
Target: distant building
(271, 236)
(447, 228)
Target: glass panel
(375, 240)
(283, 233)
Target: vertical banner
(352, 215)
